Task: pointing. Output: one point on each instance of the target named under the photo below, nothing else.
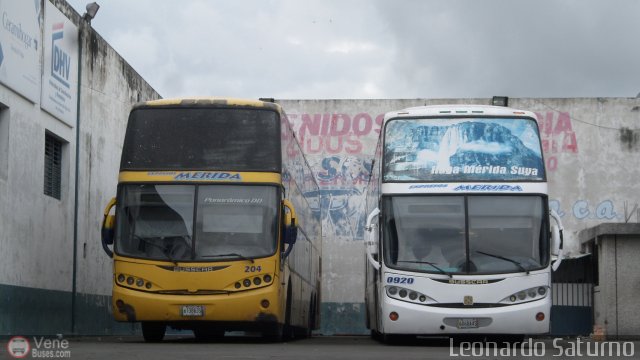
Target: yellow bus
(212, 228)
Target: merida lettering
(488, 188)
(428, 186)
(202, 175)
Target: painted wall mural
(557, 136)
(340, 146)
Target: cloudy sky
(335, 49)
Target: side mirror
(108, 227)
(371, 245)
(557, 240)
(290, 234)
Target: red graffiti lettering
(563, 124)
(332, 147)
(354, 146)
(569, 143)
(362, 124)
(557, 133)
(379, 120)
(312, 125)
(340, 124)
(309, 145)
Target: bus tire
(288, 330)
(395, 339)
(204, 334)
(305, 331)
(153, 331)
(276, 332)
(376, 335)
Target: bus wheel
(312, 318)
(394, 339)
(273, 332)
(153, 332)
(376, 335)
(204, 334)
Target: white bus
(459, 233)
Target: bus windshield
(160, 222)
(202, 138)
(462, 149)
(473, 234)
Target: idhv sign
(60, 75)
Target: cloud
(378, 49)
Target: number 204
(399, 280)
(248, 268)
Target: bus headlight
(408, 295)
(535, 293)
(253, 282)
(130, 280)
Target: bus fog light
(130, 280)
(140, 282)
(119, 304)
(148, 285)
(264, 303)
(246, 282)
(393, 290)
(542, 290)
(522, 295)
(540, 316)
(237, 285)
(393, 316)
(423, 298)
(121, 278)
(403, 293)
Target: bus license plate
(470, 323)
(193, 310)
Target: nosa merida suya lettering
(201, 175)
(481, 170)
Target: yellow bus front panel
(232, 291)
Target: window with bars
(52, 166)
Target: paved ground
(176, 348)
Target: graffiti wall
(339, 149)
(591, 149)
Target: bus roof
(210, 101)
(458, 110)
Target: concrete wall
(37, 232)
(591, 148)
(616, 306)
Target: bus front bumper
(244, 306)
(431, 320)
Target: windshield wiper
(164, 251)
(230, 254)
(505, 259)
(429, 263)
